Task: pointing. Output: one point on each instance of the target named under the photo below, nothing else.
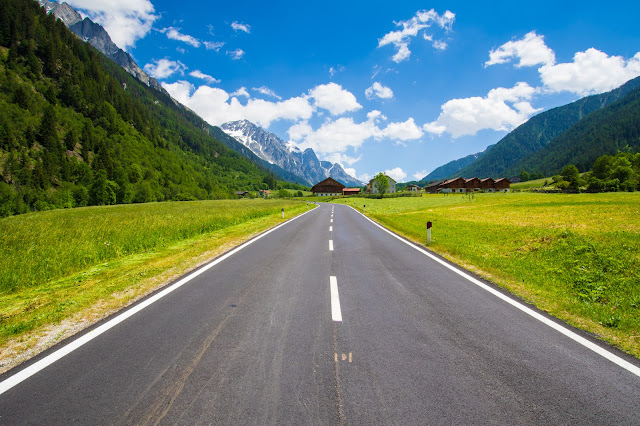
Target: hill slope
(536, 133)
(453, 167)
(76, 129)
(606, 131)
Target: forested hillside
(77, 130)
(535, 134)
(608, 131)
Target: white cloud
(240, 27)
(342, 159)
(405, 131)
(396, 174)
(590, 72)
(379, 91)
(216, 106)
(213, 45)
(350, 171)
(164, 68)
(236, 54)
(419, 174)
(266, 91)
(199, 74)
(334, 70)
(175, 34)
(126, 21)
(530, 50)
(365, 177)
(501, 109)
(422, 20)
(241, 92)
(440, 45)
(334, 98)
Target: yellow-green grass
(65, 268)
(576, 256)
(536, 183)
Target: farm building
(472, 184)
(486, 185)
(453, 185)
(502, 185)
(414, 188)
(328, 187)
(461, 185)
(371, 186)
(433, 187)
(351, 191)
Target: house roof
(388, 177)
(328, 182)
(351, 190)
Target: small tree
(571, 174)
(381, 183)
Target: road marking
(67, 349)
(336, 314)
(331, 221)
(343, 357)
(331, 229)
(561, 329)
(330, 245)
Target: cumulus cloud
(216, 106)
(199, 74)
(404, 131)
(419, 174)
(590, 72)
(241, 92)
(236, 54)
(213, 45)
(377, 90)
(164, 68)
(334, 99)
(529, 51)
(266, 91)
(334, 70)
(240, 27)
(501, 109)
(422, 20)
(126, 21)
(173, 33)
(396, 174)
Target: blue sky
(395, 86)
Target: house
(434, 187)
(350, 191)
(328, 187)
(502, 185)
(241, 193)
(472, 184)
(265, 193)
(372, 188)
(413, 188)
(487, 185)
(453, 185)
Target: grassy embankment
(576, 256)
(75, 266)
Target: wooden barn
(351, 191)
(502, 185)
(328, 187)
(486, 185)
(472, 184)
(453, 185)
(413, 188)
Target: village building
(372, 188)
(351, 191)
(472, 185)
(434, 187)
(328, 188)
(241, 193)
(413, 188)
(453, 185)
(461, 185)
(487, 185)
(265, 193)
(502, 185)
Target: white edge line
(70, 347)
(336, 313)
(568, 333)
(330, 245)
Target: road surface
(328, 319)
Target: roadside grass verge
(63, 270)
(576, 256)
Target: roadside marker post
(364, 208)
(429, 225)
(283, 213)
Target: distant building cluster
(332, 188)
(460, 185)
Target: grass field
(576, 256)
(78, 265)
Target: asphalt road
(261, 338)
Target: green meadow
(576, 256)
(80, 264)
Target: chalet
(413, 188)
(328, 187)
(453, 185)
(502, 185)
(350, 191)
(434, 187)
(241, 193)
(265, 193)
(487, 185)
(371, 186)
(472, 184)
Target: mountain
(274, 150)
(76, 129)
(453, 167)
(609, 130)
(98, 37)
(537, 132)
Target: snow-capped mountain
(271, 148)
(98, 37)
